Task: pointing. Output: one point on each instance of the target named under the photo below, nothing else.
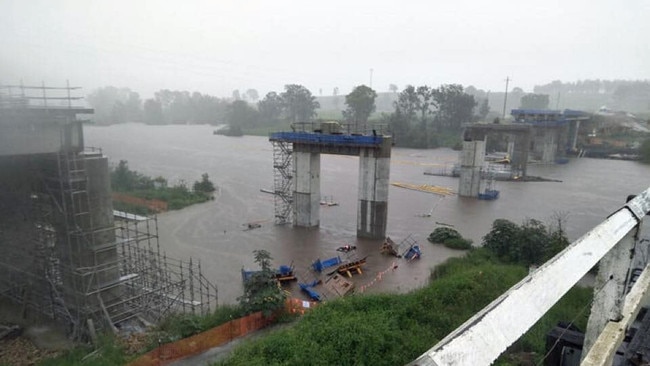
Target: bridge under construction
(66, 254)
(296, 162)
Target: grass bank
(395, 329)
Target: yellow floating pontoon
(443, 191)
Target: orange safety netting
(214, 337)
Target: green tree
(152, 112)
(124, 179)
(252, 95)
(455, 107)
(442, 234)
(241, 114)
(299, 103)
(361, 103)
(407, 103)
(115, 105)
(270, 108)
(503, 240)
(558, 239)
(425, 105)
(261, 290)
(484, 109)
(534, 101)
(205, 185)
(533, 242)
(530, 243)
(392, 88)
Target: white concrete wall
(306, 196)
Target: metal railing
(482, 338)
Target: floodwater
(214, 232)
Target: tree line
(119, 105)
(423, 116)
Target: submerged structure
(66, 253)
(296, 161)
(543, 136)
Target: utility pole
(506, 97)
(370, 79)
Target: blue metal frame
(327, 139)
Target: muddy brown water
(214, 232)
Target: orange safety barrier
(153, 204)
(298, 306)
(202, 342)
(216, 336)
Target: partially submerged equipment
(413, 253)
(319, 265)
(309, 289)
(390, 247)
(412, 249)
(351, 267)
(283, 274)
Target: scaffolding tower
(283, 169)
(66, 253)
(156, 284)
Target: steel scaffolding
(283, 181)
(156, 285)
(66, 253)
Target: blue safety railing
(327, 139)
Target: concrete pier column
(574, 135)
(549, 147)
(306, 195)
(471, 162)
(372, 209)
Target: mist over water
(214, 232)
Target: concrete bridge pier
(306, 198)
(372, 209)
(472, 158)
(549, 146)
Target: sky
(218, 46)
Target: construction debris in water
(443, 191)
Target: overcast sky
(221, 45)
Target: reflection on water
(215, 233)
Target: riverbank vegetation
(135, 184)
(450, 238)
(382, 329)
(396, 329)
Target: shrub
(442, 234)
(458, 243)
